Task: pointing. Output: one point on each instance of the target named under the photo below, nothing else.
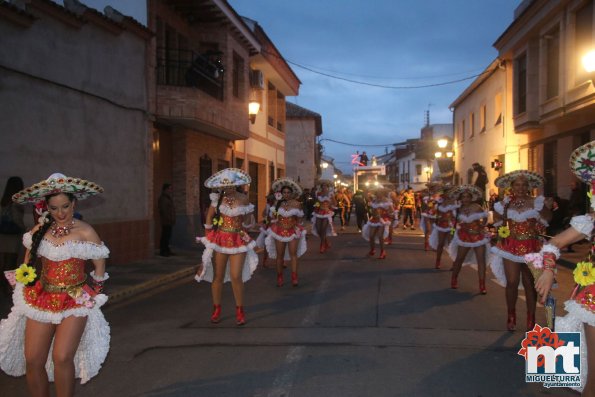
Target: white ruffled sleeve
(27, 240)
(214, 199)
(538, 203)
(583, 224)
(499, 208)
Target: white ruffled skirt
(496, 261)
(92, 349)
(207, 273)
(272, 248)
(470, 258)
(366, 231)
(330, 230)
(574, 322)
(433, 239)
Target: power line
(354, 144)
(392, 87)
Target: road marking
(283, 383)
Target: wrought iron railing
(187, 68)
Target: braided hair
(37, 237)
(218, 209)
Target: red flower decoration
(539, 337)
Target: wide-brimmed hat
(228, 177)
(57, 183)
(280, 183)
(582, 162)
(471, 189)
(535, 180)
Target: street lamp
(253, 108)
(449, 154)
(438, 155)
(442, 143)
(427, 171)
(589, 61)
(324, 164)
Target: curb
(129, 292)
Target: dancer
(441, 230)
(228, 218)
(56, 331)
(343, 204)
(428, 211)
(580, 306)
(471, 241)
(376, 229)
(394, 197)
(260, 240)
(322, 218)
(520, 220)
(286, 237)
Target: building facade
(201, 58)
(75, 100)
(303, 157)
(271, 80)
(550, 94)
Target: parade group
(57, 332)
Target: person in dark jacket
(167, 214)
(361, 208)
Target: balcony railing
(185, 68)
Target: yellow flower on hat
(503, 231)
(584, 274)
(25, 274)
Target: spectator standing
(167, 215)
(481, 180)
(361, 209)
(12, 228)
(576, 206)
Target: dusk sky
(397, 43)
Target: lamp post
(253, 108)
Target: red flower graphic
(538, 337)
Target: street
(355, 326)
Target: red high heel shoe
(437, 266)
(482, 287)
(322, 248)
(240, 316)
(530, 321)
(372, 252)
(511, 322)
(216, 316)
(426, 245)
(382, 254)
(294, 279)
(279, 279)
(454, 284)
(389, 240)
(327, 245)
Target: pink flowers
(535, 260)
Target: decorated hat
(582, 162)
(228, 177)
(280, 183)
(535, 180)
(57, 183)
(456, 192)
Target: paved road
(354, 327)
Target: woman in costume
(322, 218)
(470, 242)
(286, 237)
(446, 209)
(520, 219)
(56, 331)
(227, 242)
(428, 211)
(381, 216)
(260, 240)
(581, 305)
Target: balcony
(191, 94)
(185, 68)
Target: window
(271, 104)
(240, 163)
(237, 74)
(471, 125)
(280, 111)
(418, 169)
(532, 160)
(462, 132)
(521, 84)
(498, 108)
(222, 164)
(482, 118)
(271, 172)
(584, 38)
(553, 63)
